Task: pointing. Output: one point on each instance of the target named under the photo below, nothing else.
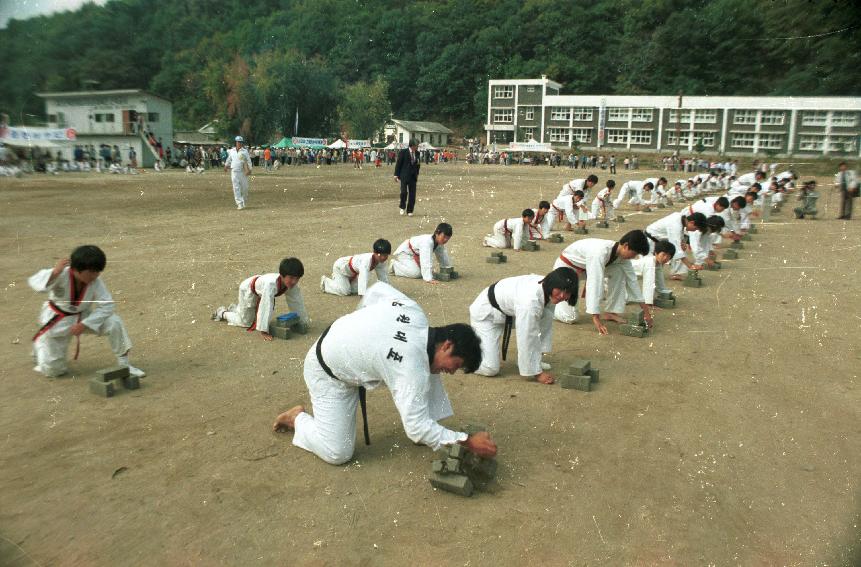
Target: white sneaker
(136, 372)
(402, 212)
(409, 214)
(323, 284)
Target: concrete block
(693, 282)
(453, 465)
(499, 254)
(503, 258)
(665, 295)
(714, 266)
(572, 382)
(479, 469)
(106, 374)
(453, 275)
(493, 260)
(579, 367)
(647, 209)
(442, 276)
(530, 246)
(736, 245)
(662, 206)
(282, 333)
(471, 428)
(101, 388)
(730, 255)
(602, 224)
(637, 318)
(301, 328)
(438, 466)
(556, 238)
(594, 374)
(665, 303)
(620, 218)
(454, 483)
(131, 382)
(581, 230)
(752, 229)
(456, 451)
(634, 330)
(446, 270)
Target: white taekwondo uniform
(507, 233)
(658, 192)
(574, 185)
(706, 206)
(93, 306)
(602, 201)
(670, 228)
(414, 257)
(384, 342)
(256, 303)
(631, 190)
(652, 274)
(350, 274)
(238, 161)
(523, 299)
(540, 228)
(596, 260)
(565, 208)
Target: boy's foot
(42, 371)
(323, 284)
(218, 315)
(287, 420)
(136, 372)
(613, 317)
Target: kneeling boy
(350, 273)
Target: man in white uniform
(256, 303)
(602, 204)
(509, 233)
(78, 303)
(741, 185)
(350, 273)
(386, 341)
(633, 190)
(672, 228)
(527, 303)
(414, 257)
(571, 208)
(578, 185)
(239, 163)
(603, 262)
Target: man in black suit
(407, 172)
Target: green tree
(364, 108)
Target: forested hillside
(252, 64)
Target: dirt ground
(730, 436)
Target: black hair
(698, 219)
(648, 184)
(444, 228)
(636, 241)
(593, 178)
(382, 246)
(88, 257)
(413, 143)
(758, 174)
(664, 179)
(753, 194)
(544, 205)
(723, 202)
(757, 185)
(579, 193)
(465, 342)
(563, 278)
(610, 184)
(715, 223)
(739, 201)
(664, 245)
(291, 267)
(528, 213)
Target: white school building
(112, 117)
(522, 109)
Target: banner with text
(36, 134)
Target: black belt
(509, 320)
(362, 391)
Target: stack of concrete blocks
(580, 376)
(619, 218)
(461, 471)
(736, 245)
(496, 258)
(665, 299)
(108, 381)
(555, 238)
(530, 246)
(581, 230)
(714, 266)
(693, 279)
(730, 254)
(602, 224)
(662, 206)
(647, 209)
(287, 323)
(636, 326)
(446, 274)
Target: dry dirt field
(730, 436)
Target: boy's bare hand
(58, 267)
(77, 329)
(481, 444)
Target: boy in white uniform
(78, 303)
(527, 303)
(387, 341)
(414, 257)
(239, 163)
(651, 268)
(605, 262)
(672, 228)
(509, 233)
(602, 204)
(578, 185)
(572, 208)
(658, 193)
(350, 274)
(256, 303)
(542, 222)
(634, 190)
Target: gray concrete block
(572, 382)
(736, 245)
(301, 328)
(620, 218)
(446, 270)
(662, 206)
(493, 260)
(594, 374)
(112, 373)
(664, 303)
(529, 246)
(454, 483)
(602, 224)
(279, 332)
(579, 367)
(714, 266)
(479, 469)
(693, 282)
(730, 255)
(637, 318)
(101, 388)
(131, 382)
(438, 466)
(555, 238)
(634, 330)
(497, 254)
(647, 209)
(581, 230)
(453, 465)
(443, 277)
(665, 295)
(471, 428)
(453, 275)
(456, 451)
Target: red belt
(580, 271)
(415, 254)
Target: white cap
(239, 139)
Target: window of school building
(844, 119)
(674, 115)
(109, 117)
(530, 113)
(641, 137)
(560, 113)
(705, 116)
(558, 135)
(503, 115)
(503, 91)
(744, 117)
(814, 118)
(811, 143)
(617, 136)
(683, 139)
(528, 133)
(773, 117)
(742, 140)
(770, 141)
(641, 114)
(582, 135)
(843, 144)
(617, 114)
(583, 113)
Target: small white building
(402, 131)
(114, 117)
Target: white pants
(240, 187)
(50, 348)
(498, 240)
(245, 312)
(404, 266)
(596, 211)
(339, 284)
(331, 432)
(677, 268)
(615, 294)
(489, 324)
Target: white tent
(425, 146)
(337, 145)
(395, 146)
(531, 146)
